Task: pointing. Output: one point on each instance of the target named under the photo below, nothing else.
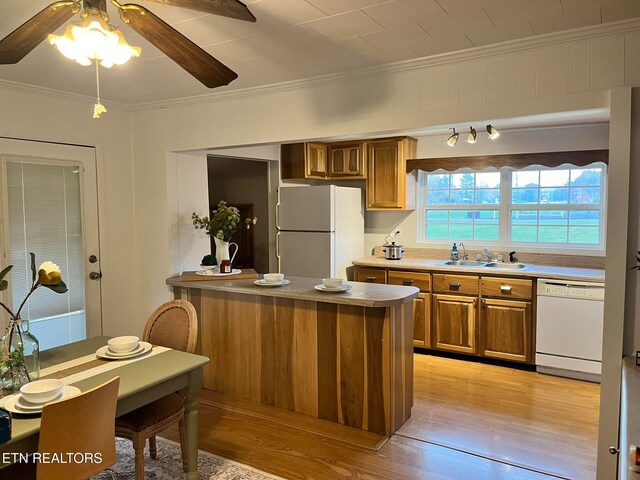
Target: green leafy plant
(224, 222)
(637, 267)
(209, 260)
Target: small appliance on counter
(390, 249)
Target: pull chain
(98, 108)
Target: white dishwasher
(569, 328)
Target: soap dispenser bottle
(454, 252)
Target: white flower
(49, 267)
(49, 274)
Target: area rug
(168, 465)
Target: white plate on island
(263, 283)
(211, 273)
(104, 352)
(17, 404)
(341, 289)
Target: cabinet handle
(506, 288)
(454, 286)
(484, 303)
(407, 281)
(371, 279)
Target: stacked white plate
(17, 404)
(106, 352)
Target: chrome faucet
(464, 252)
(488, 254)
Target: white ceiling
(295, 39)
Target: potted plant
(19, 348)
(224, 222)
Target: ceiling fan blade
(177, 47)
(15, 46)
(227, 8)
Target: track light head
(453, 139)
(472, 135)
(493, 133)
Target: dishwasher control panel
(571, 289)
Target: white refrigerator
(320, 230)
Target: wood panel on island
(475, 315)
(346, 359)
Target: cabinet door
(385, 175)
(346, 160)
(316, 160)
(454, 323)
(422, 320)
(505, 327)
(371, 275)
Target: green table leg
(191, 422)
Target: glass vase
(20, 355)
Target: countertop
(537, 271)
(360, 294)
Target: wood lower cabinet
(371, 275)
(346, 160)
(422, 320)
(388, 185)
(454, 320)
(506, 330)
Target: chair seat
(151, 414)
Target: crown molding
(59, 94)
(543, 40)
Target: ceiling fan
(209, 71)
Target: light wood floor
(469, 421)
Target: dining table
(153, 375)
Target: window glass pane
(585, 195)
(524, 196)
(486, 225)
(584, 217)
(488, 196)
(524, 217)
(487, 216)
(554, 178)
(461, 216)
(553, 217)
(524, 233)
(584, 235)
(437, 231)
(552, 234)
(437, 215)
(488, 180)
(554, 195)
(485, 232)
(461, 197)
(523, 179)
(462, 180)
(438, 197)
(586, 177)
(461, 231)
(438, 181)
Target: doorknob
(93, 259)
(95, 275)
(613, 450)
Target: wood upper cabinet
(388, 185)
(506, 330)
(346, 160)
(303, 160)
(454, 320)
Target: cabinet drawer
(413, 279)
(372, 275)
(506, 287)
(467, 284)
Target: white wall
(29, 114)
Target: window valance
(580, 158)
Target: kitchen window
(561, 206)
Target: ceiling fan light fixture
(472, 135)
(453, 139)
(94, 39)
(492, 132)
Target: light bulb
(472, 135)
(493, 133)
(453, 139)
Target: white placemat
(110, 365)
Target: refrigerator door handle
(278, 215)
(278, 249)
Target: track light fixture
(453, 139)
(472, 135)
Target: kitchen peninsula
(342, 357)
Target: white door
(49, 207)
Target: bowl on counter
(42, 391)
(273, 277)
(123, 344)
(333, 282)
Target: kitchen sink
(462, 263)
(506, 266)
